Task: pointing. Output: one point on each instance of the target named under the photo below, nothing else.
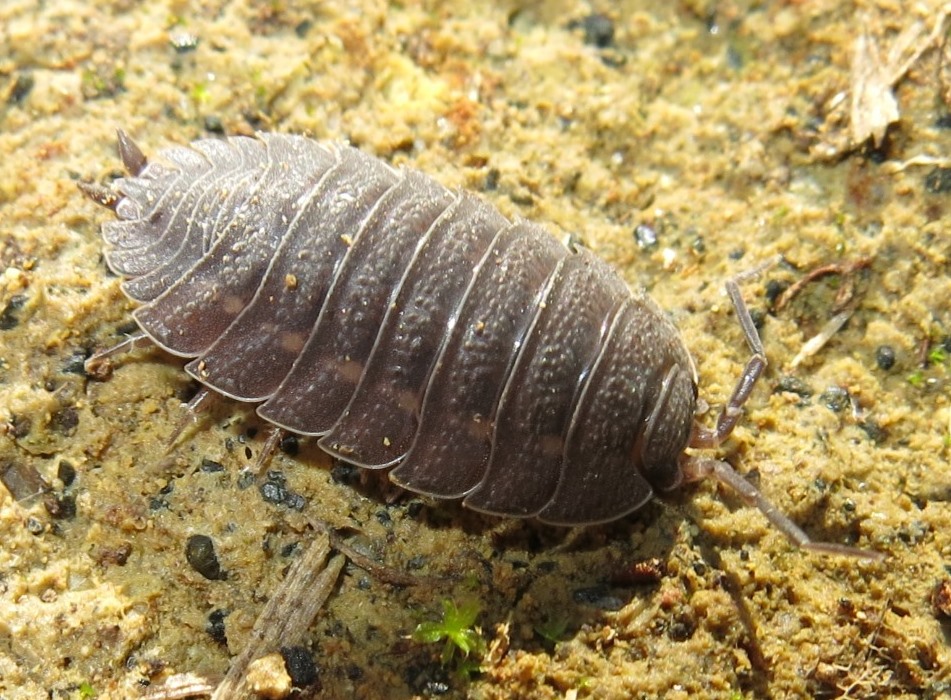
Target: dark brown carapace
(414, 327)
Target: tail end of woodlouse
(134, 161)
(132, 157)
(695, 469)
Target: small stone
(183, 42)
(300, 666)
(835, 398)
(598, 29)
(793, 385)
(201, 556)
(938, 181)
(216, 626)
(885, 357)
(941, 599)
(645, 237)
(214, 125)
(268, 677)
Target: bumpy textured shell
(407, 325)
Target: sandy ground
(720, 127)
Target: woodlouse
(414, 327)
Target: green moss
(456, 629)
(937, 355)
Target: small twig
(287, 614)
(181, 685)
(818, 341)
(845, 269)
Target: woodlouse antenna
(696, 468)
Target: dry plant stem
(845, 269)
(287, 614)
(818, 341)
(180, 686)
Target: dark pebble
(773, 289)
(793, 385)
(213, 125)
(681, 630)
(885, 357)
(416, 563)
(875, 432)
(64, 421)
(598, 30)
(21, 88)
(343, 473)
(758, 316)
(201, 556)
(300, 666)
(645, 237)
(597, 597)
(66, 473)
(938, 181)
(209, 466)
(835, 398)
(246, 479)
(9, 318)
(491, 181)
(290, 445)
(274, 490)
(61, 508)
(20, 426)
(216, 626)
(34, 526)
(75, 363)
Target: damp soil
(684, 144)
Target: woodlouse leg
(696, 468)
(93, 365)
(274, 437)
(198, 403)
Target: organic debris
(872, 106)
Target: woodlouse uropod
(414, 327)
